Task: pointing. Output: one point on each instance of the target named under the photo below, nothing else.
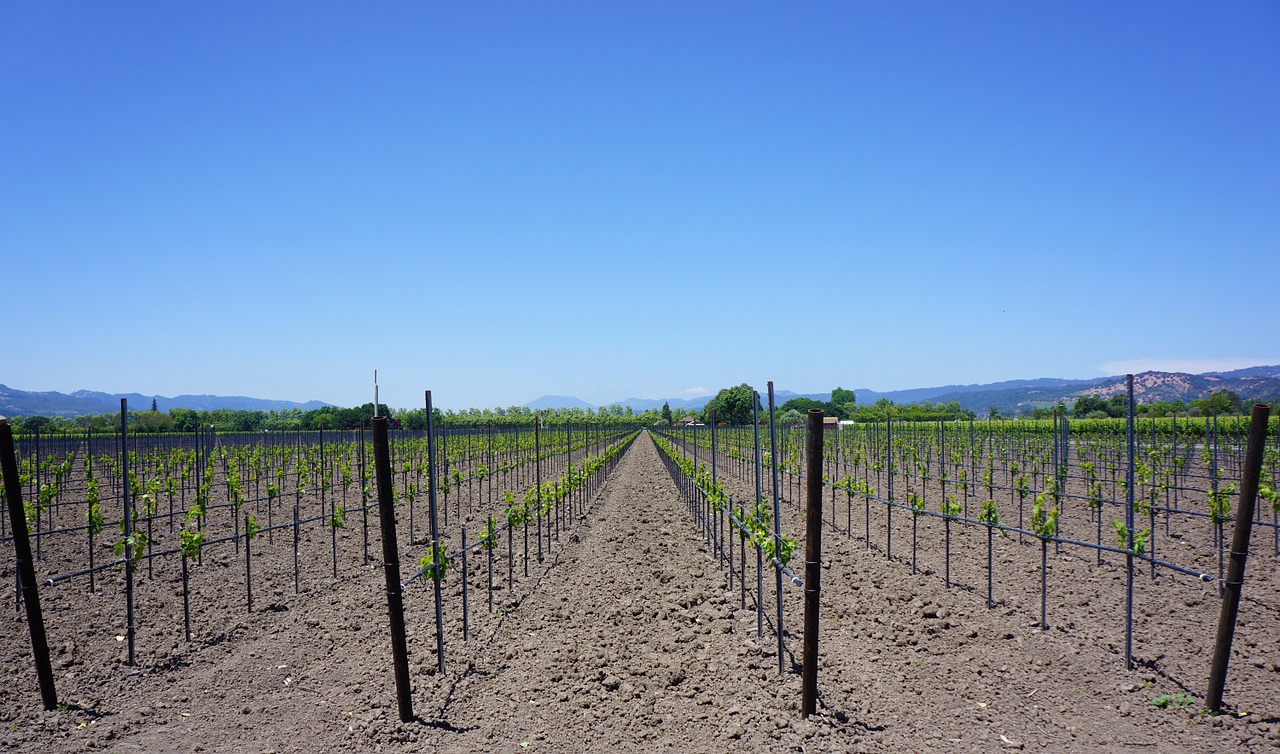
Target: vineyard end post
(812, 562)
(1239, 552)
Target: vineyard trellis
(1068, 480)
(175, 500)
(1163, 487)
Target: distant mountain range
(1250, 383)
(23, 403)
(557, 401)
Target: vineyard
(985, 585)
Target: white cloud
(692, 392)
(1191, 366)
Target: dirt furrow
(633, 645)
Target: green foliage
(251, 527)
(1139, 537)
(923, 411)
(1267, 491)
(1220, 503)
(1086, 405)
(1179, 700)
(1221, 402)
(515, 513)
(951, 508)
(1044, 520)
(44, 498)
(338, 517)
(197, 508)
(1095, 495)
(436, 559)
(733, 405)
(843, 403)
(93, 517)
(991, 516)
(190, 543)
(135, 544)
(758, 520)
(490, 535)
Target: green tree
(1087, 404)
(183, 420)
(732, 405)
(1221, 402)
(802, 405)
(666, 414)
(843, 403)
(791, 416)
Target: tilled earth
(625, 638)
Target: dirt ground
(626, 638)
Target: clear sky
(613, 200)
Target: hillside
(1149, 387)
(81, 402)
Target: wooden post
(1239, 551)
(26, 568)
(812, 561)
(391, 567)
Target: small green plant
(94, 515)
(44, 498)
(338, 517)
(489, 536)
(190, 543)
(202, 497)
(1044, 523)
(135, 544)
(515, 514)
(1174, 701)
(1095, 495)
(761, 535)
(1139, 537)
(1267, 491)
(1220, 504)
(991, 516)
(951, 508)
(252, 527)
(1022, 487)
(437, 558)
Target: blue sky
(612, 200)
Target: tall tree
(732, 405)
(843, 403)
(666, 414)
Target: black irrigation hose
(51, 580)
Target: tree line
(329, 417)
(731, 405)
